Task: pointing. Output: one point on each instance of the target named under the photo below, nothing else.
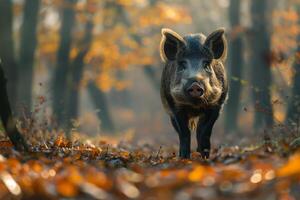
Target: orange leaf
(291, 167)
(66, 188)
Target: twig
(157, 155)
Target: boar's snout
(195, 89)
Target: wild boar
(194, 86)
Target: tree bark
(100, 101)
(235, 65)
(7, 49)
(6, 116)
(63, 60)
(27, 50)
(293, 110)
(77, 71)
(260, 46)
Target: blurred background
(92, 67)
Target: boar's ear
(170, 44)
(217, 44)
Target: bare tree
(293, 111)
(260, 63)
(104, 114)
(63, 60)
(77, 71)
(235, 65)
(27, 50)
(6, 116)
(7, 48)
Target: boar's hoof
(204, 153)
(184, 155)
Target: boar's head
(194, 60)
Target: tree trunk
(7, 49)
(6, 116)
(63, 60)
(27, 49)
(293, 110)
(99, 100)
(260, 46)
(77, 71)
(235, 65)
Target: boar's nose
(195, 90)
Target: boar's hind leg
(204, 130)
(180, 124)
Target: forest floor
(59, 169)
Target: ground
(59, 169)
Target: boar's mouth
(210, 98)
(181, 99)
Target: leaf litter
(60, 169)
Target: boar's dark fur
(193, 85)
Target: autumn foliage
(125, 39)
(124, 31)
(64, 169)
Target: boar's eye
(206, 65)
(182, 65)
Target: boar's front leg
(204, 129)
(180, 123)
